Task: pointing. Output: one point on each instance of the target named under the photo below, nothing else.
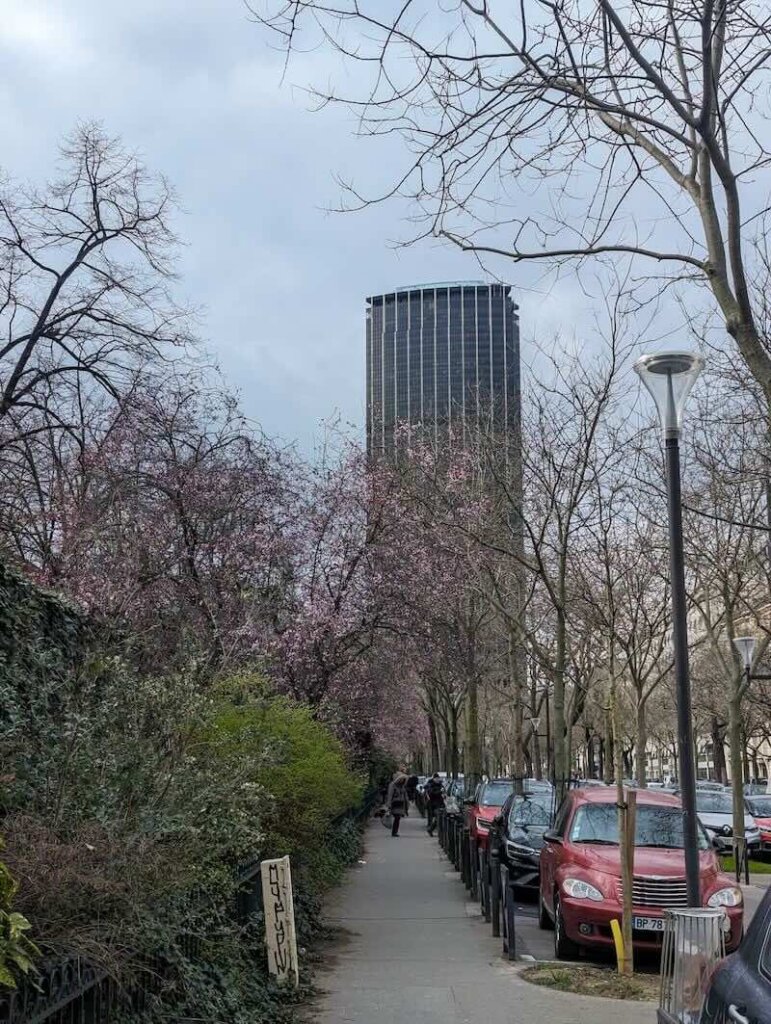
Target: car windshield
(656, 826)
(760, 806)
(531, 810)
(714, 803)
(495, 794)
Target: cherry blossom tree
(167, 520)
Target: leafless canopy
(85, 265)
(629, 126)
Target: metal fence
(485, 878)
(76, 992)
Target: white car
(716, 814)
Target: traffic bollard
(509, 915)
(495, 887)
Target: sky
(197, 89)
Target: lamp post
(669, 377)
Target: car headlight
(519, 848)
(731, 897)
(581, 890)
(484, 824)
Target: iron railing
(76, 992)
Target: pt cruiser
(581, 890)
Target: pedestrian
(434, 799)
(396, 801)
(412, 788)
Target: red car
(760, 809)
(581, 891)
(486, 806)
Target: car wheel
(544, 921)
(564, 948)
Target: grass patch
(757, 867)
(595, 981)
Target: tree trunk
(626, 962)
(717, 733)
(535, 743)
(561, 772)
(745, 754)
(434, 762)
(473, 751)
(590, 766)
(642, 743)
(610, 748)
(454, 742)
(516, 670)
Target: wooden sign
(279, 920)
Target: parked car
(454, 795)
(532, 785)
(523, 819)
(716, 813)
(581, 889)
(757, 788)
(760, 809)
(485, 806)
(710, 787)
(740, 988)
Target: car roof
(607, 795)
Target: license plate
(648, 924)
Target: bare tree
(85, 268)
(591, 112)
(725, 557)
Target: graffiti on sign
(279, 919)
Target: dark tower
(442, 356)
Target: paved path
(414, 952)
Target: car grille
(657, 892)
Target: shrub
(17, 951)
(303, 766)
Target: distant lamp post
(745, 645)
(669, 377)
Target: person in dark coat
(434, 791)
(412, 788)
(397, 803)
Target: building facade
(444, 357)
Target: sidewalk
(414, 953)
(753, 895)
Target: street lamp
(669, 377)
(745, 645)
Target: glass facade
(441, 356)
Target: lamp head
(745, 645)
(669, 377)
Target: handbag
(387, 820)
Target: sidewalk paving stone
(412, 950)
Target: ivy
(130, 800)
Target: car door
(740, 992)
(503, 831)
(551, 854)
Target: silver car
(716, 814)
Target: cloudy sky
(197, 89)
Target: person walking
(434, 799)
(396, 800)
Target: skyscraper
(443, 356)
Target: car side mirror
(552, 837)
